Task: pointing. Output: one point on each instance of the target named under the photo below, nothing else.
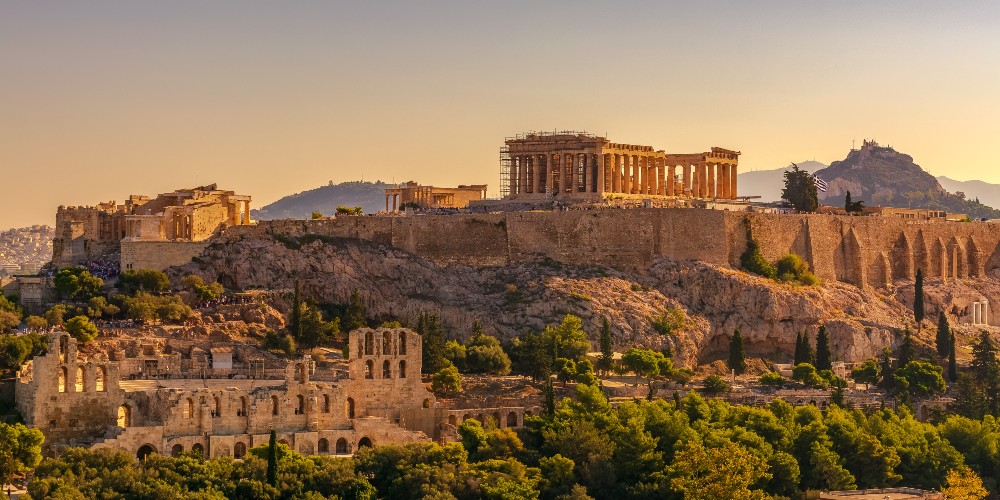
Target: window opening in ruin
(402, 369)
(350, 407)
(242, 412)
(496, 419)
(145, 451)
(386, 369)
(369, 369)
(452, 420)
(427, 402)
(99, 379)
(386, 344)
(300, 408)
(78, 383)
(365, 442)
(217, 412)
(73, 422)
(62, 379)
(323, 446)
(198, 448)
(52, 423)
(302, 375)
(63, 348)
(512, 419)
(274, 405)
(402, 343)
(239, 449)
(188, 411)
(176, 450)
(341, 446)
(326, 403)
(369, 343)
(124, 416)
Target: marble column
(671, 179)
(710, 171)
(587, 174)
(535, 177)
(685, 180)
(523, 185)
(561, 167)
(732, 181)
(616, 173)
(602, 180)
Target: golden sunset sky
(102, 99)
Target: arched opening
(527, 413)
(242, 412)
(303, 375)
(217, 410)
(427, 402)
(323, 446)
(326, 403)
(99, 378)
(369, 343)
(176, 450)
(274, 405)
(402, 343)
(512, 419)
(350, 407)
(124, 416)
(188, 411)
(62, 379)
(386, 370)
(283, 441)
(466, 417)
(365, 442)
(452, 420)
(386, 345)
(402, 369)
(369, 369)
(144, 451)
(496, 419)
(341, 448)
(239, 449)
(63, 348)
(300, 406)
(198, 448)
(79, 380)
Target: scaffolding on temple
(504, 172)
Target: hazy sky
(102, 99)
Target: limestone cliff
(518, 297)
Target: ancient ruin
(151, 233)
(582, 166)
(225, 399)
(424, 197)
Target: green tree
(10, 313)
(799, 356)
(81, 328)
(867, 372)
(295, 316)
(922, 378)
(806, 373)
(827, 469)
(36, 323)
(986, 370)
(737, 355)
(316, 215)
(272, 459)
(907, 351)
(313, 330)
(952, 365)
(642, 362)
(483, 354)
(607, 354)
(147, 280)
(729, 471)
(433, 339)
(800, 190)
(354, 317)
(76, 283)
(772, 378)
(715, 384)
(792, 269)
(752, 259)
(568, 339)
(823, 356)
(943, 339)
(20, 450)
(558, 476)
(918, 298)
(964, 484)
(447, 381)
(808, 355)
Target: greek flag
(820, 183)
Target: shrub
(792, 269)
(715, 384)
(753, 259)
(773, 379)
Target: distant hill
(880, 175)
(768, 183)
(988, 194)
(325, 199)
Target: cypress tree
(808, 354)
(797, 359)
(986, 370)
(737, 355)
(550, 398)
(952, 366)
(354, 317)
(943, 338)
(906, 349)
(432, 336)
(918, 298)
(607, 354)
(823, 361)
(847, 203)
(272, 459)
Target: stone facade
(223, 401)
(85, 234)
(424, 197)
(581, 166)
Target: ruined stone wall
(860, 250)
(208, 220)
(159, 255)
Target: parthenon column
(512, 185)
(535, 177)
(696, 181)
(703, 186)
(550, 174)
(602, 181)
(636, 174)
(732, 181)
(587, 174)
(671, 179)
(523, 184)
(626, 174)
(616, 173)
(686, 180)
(710, 171)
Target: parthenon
(584, 166)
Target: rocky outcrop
(702, 302)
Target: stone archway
(145, 451)
(365, 442)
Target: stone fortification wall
(159, 254)
(859, 250)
